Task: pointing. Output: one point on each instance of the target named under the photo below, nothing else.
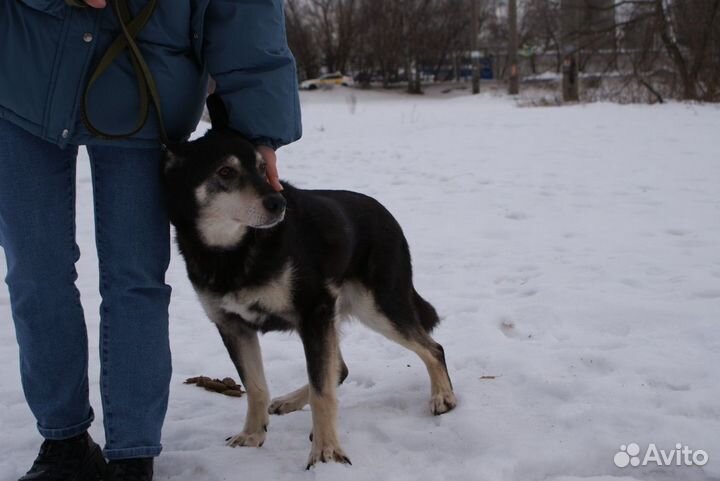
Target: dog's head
(217, 186)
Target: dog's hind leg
(320, 341)
(442, 397)
(298, 399)
(433, 355)
(407, 320)
(244, 349)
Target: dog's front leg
(244, 349)
(320, 340)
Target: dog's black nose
(274, 203)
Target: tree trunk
(514, 86)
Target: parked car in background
(327, 80)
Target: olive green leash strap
(147, 89)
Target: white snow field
(574, 256)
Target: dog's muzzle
(275, 205)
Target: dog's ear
(174, 157)
(218, 113)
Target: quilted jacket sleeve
(245, 48)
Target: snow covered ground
(573, 253)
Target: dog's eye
(262, 168)
(225, 172)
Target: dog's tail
(428, 315)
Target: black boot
(74, 459)
(138, 469)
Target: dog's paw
(286, 404)
(442, 402)
(254, 440)
(325, 454)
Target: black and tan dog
(297, 261)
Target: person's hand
(271, 170)
(96, 3)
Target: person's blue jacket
(49, 50)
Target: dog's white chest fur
(254, 304)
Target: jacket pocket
(197, 27)
(56, 8)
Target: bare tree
(334, 25)
(669, 48)
(672, 46)
(301, 39)
(690, 32)
(540, 31)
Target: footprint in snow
(361, 381)
(516, 215)
(507, 327)
(706, 294)
(631, 282)
(528, 268)
(669, 386)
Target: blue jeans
(37, 232)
